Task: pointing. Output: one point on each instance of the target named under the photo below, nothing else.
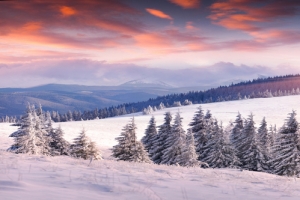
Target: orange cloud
(158, 13)
(190, 26)
(32, 26)
(251, 15)
(67, 11)
(186, 3)
(152, 40)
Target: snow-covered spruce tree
(175, 143)
(218, 152)
(128, 148)
(159, 142)
(264, 140)
(150, 135)
(252, 156)
(31, 137)
(42, 137)
(198, 127)
(228, 131)
(189, 157)
(24, 121)
(24, 139)
(236, 134)
(122, 151)
(161, 106)
(262, 135)
(84, 148)
(287, 160)
(271, 142)
(209, 123)
(58, 145)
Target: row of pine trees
(37, 136)
(208, 144)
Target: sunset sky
(108, 42)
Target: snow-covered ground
(41, 177)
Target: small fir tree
(150, 135)
(59, 146)
(198, 127)
(252, 156)
(287, 160)
(128, 148)
(175, 143)
(236, 135)
(189, 157)
(84, 148)
(262, 134)
(159, 142)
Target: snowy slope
(40, 177)
(105, 130)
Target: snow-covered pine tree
(262, 133)
(270, 142)
(24, 139)
(24, 121)
(175, 143)
(218, 152)
(122, 151)
(228, 131)
(138, 154)
(93, 151)
(252, 156)
(159, 142)
(209, 124)
(150, 135)
(263, 138)
(84, 148)
(129, 149)
(48, 122)
(287, 160)
(198, 127)
(161, 106)
(236, 134)
(189, 157)
(42, 137)
(31, 137)
(59, 146)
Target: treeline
(257, 88)
(208, 144)
(37, 136)
(8, 119)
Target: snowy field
(41, 177)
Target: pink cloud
(158, 13)
(187, 4)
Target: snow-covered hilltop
(146, 83)
(65, 177)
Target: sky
(101, 42)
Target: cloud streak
(158, 13)
(187, 4)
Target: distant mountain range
(62, 98)
(148, 83)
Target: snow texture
(24, 176)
